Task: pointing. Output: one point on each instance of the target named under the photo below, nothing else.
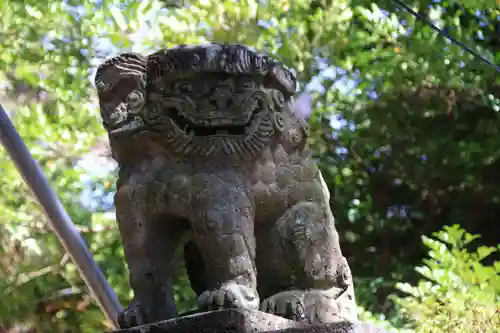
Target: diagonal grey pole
(59, 220)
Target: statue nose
(222, 99)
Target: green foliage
(383, 322)
(459, 292)
(421, 155)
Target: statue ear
(302, 106)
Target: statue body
(207, 143)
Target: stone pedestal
(245, 321)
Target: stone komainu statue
(207, 142)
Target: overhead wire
(446, 35)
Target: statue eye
(102, 86)
(247, 84)
(185, 88)
(135, 99)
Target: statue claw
(132, 316)
(311, 306)
(289, 305)
(229, 295)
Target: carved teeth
(129, 126)
(219, 122)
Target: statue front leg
(321, 289)
(224, 233)
(149, 244)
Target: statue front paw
(229, 295)
(132, 316)
(287, 304)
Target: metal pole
(59, 220)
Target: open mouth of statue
(130, 126)
(215, 127)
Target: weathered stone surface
(209, 144)
(341, 327)
(232, 320)
(245, 321)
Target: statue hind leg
(305, 243)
